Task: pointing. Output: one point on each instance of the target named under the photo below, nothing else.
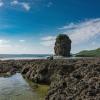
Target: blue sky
(30, 26)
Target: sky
(31, 26)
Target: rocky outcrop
(62, 46)
(69, 79)
(81, 84)
(10, 67)
(43, 72)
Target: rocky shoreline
(69, 79)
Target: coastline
(57, 73)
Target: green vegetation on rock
(89, 53)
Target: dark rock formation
(62, 46)
(44, 71)
(83, 83)
(69, 79)
(10, 67)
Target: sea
(23, 56)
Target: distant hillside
(89, 53)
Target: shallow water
(16, 88)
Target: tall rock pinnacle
(62, 45)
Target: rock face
(82, 83)
(43, 71)
(62, 45)
(69, 79)
(10, 67)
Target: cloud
(4, 43)
(82, 32)
(15, 2)
(48, 38)
(1, 3)
(21, 40)
(24, 5)
(14, 47)
(48, 41)
(70, 26)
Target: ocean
(23, 56)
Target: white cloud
(21, 40)
(26, 6)
(15, 2)
(48, 38)
(48, 41)
(71, 25)
(1, 3)
(4, 43)
(83, 31)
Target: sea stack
(62, 46)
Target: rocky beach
(68, 79)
